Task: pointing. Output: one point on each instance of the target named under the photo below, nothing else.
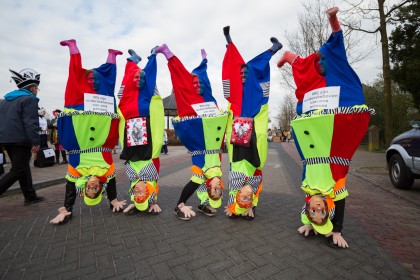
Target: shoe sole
(184, 218)
(331, 244)
(207, 214)
(33, 202)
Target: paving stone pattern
(99, 244)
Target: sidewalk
(53, 175)
(389, 214)
(381, 228)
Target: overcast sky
(31, 32)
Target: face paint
(201, 87)
(244, 73)
(96, 82)
(136, 79)
(142, 79)
(196, 84)
(90, 81)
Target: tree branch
(360, 29)
(396, 7)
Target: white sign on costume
(206, 108)
(321, 98)
(98, 103)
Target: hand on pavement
(155, 208)
(187, 210)
(118, 205)
(128, 208)
(305, 229)
(339, 240)
(62, 214)
(228, 212)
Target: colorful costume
(201, 133)
(89, 136)
(332, 121)
(144, 104)
(248, 109)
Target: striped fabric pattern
(237, 180)
(147, 173)
(110, 176)
(120, 92)
(226, 88)
(203, 188)
(340, 191)
(91, 150)
(206, 152)
(186, 118)
(327, 160)
(201, 176)
(74, 113)
(338, 110)
(265, 86)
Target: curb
(37, 186)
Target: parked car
(403, 157)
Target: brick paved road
(388, 214)
(99, 244)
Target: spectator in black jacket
(19, 135)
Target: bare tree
(361, 16)
(286, 112)
(313, 31)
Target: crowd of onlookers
(282, 135)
